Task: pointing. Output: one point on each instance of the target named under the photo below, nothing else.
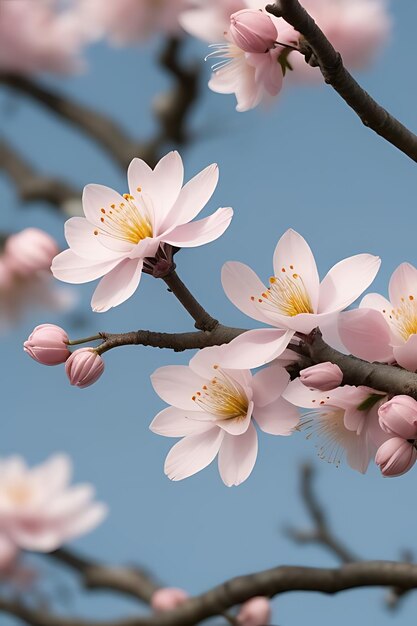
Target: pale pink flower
(39, 510)
(84, 367)
(398, 417)
(295, 300)
(48, 344)
(323, 376)
(385, 330)
(212, 409)
(40, 36)
(29, 251)
(396, 456)
(255, 612)
(119, 233)
(209, 19)
(168, 599)
(345, 419)
(253, 31)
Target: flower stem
(203, 321)
(76, 342)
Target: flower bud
(84, 367)
(324, 376)
(168, 599)
(396, 456)
(29, 251)
(255, 612)
(48, 345)
(253, 30)
(398, 417)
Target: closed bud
(255, 612)
(84, 367)
(398, 417)
(252, 30)
(48, 345)
(29, 251)
(324, 376)
(396, 456)
(168, 599)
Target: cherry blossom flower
(168, 599)
(48, 345)
(295, 300)
(385, 330)
(255, 612)
(84, 367)
(40, 37)
(119, 233)
(323, 376)
(345, 419)
(396, 456)
(39, 510)
(30, 250)
(213, 410)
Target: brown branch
(203, 321)
(127, 580)
(30, 185)
(335, 74)
(269, 583)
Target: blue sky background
(306, 163)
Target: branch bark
(373, 115)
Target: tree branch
(335, 74)
(203, 321)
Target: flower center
(125, 221)
(223, 397)
(404, 317)
(287, 294)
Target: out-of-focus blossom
(345, 419)
(255, 612)
(39, 510)
(84, 367)
(253, 31)
(323, 376)
(295, 299)
(40, 36)
(214, 410)
(385, 330)
(128, 21)
(168, 599)
(29, 251)
(119, 233)
(48, 344)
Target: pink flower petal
(403, 284)
(277, 418)
(193, 453)
(255, 348)
(193, 197)
(86, 521)
(117, 286)
(269, 384)
(300, 395)
(173, 422)
(71, 268)
(98, 197)
(79, 234)
(346, 281)
(406, 355)
(237, 456)
(293, 253)
(366, 334)
(200, 232)
(176, 385)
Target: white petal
(237, 456)
(193, 453)
(117, 286)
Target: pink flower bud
(252, 30)
(324, 376)
(84, 367)
(255, 612)
(168, 598)
(398, 417)
(396, 456)
(29, 251)
(48, 345)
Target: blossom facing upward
(385, 330)
(39, 510)
(213, 410)
(119, 232)
(294, 301)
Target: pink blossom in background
(40, 36)
(168, 599)
(214, 410)
(295, 300)
(129, 21)
(30, 250)
(385, 330)
(84, 367)
(39, 510)
(48, 344)
(345, 420)
(323, 376)
(119, 233)
(255, 612)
